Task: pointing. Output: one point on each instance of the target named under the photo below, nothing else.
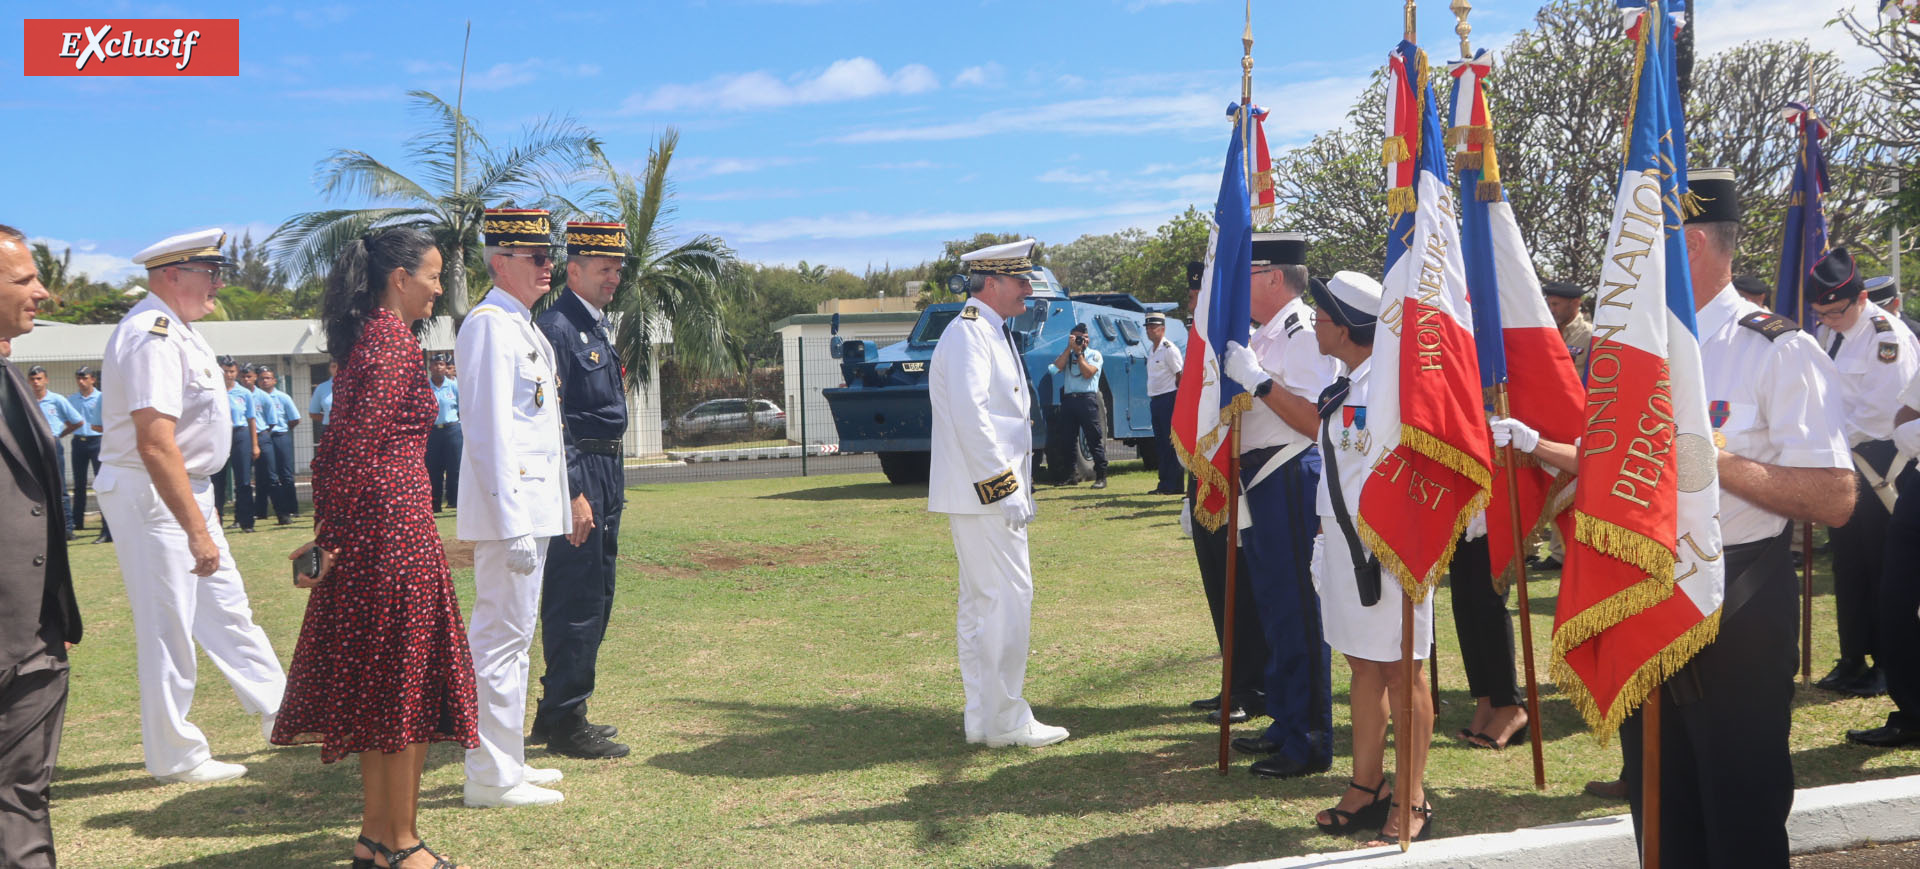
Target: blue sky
(839, 131)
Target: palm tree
(462, 173)
(679, 286)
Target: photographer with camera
(1081, 411)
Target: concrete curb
(792, 451)
(1827, 818)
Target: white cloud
(690, 168)
(850, 79)
(88, 259)
(910, 165)
(1199, 184)
(862, 224)
(370, 93)
(1097, 116)
(505, 75)
(986, 75)
(1736, 21)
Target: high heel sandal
(367, 862)
(1366, 816)
(395, 858)
(1424, 810)
(1488, 743)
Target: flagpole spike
(1410, 27)
(1460, 10)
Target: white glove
(521, 555)
(1907, 438)
(1244, 367)
(1186, 517)
(1477, 526)
(1317, 567)
(1512, 431)
(1018, 509)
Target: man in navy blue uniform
(445, 442)
(577, 593)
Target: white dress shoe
(975, 738)
(540, 775)
(1033, 735)
(266, 726)
(209, 770)
(522, 794)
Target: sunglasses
(541, 260)
(215, 272)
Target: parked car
(729, 415)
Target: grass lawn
(782, 662)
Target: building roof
(904, 318)
(241, 339)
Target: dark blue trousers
(1898, 652)
(239, 471)
(1277, 550)
(273, 475)
(443, 464)
(287, 501)
(86, 460)
(1172, 476)
(576, 596)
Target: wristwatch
(1265, 387)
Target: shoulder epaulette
(1769, 324)
(1293, 323)
(969, 313)
(159, 327)
(1880, 323)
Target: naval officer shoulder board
(1293, 323)
(1769, 324)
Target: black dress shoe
(1255, 745)
(1235, 715)
(1884, 737)
(1872, 683)
(585, 742)
(544, 732)
(1280, 767)
(1845, 671)
(1100, 482)
(1206, 704)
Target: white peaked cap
(200, 244)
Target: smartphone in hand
(308, 564)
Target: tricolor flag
(1804, 240)
(1207, 402)
(1519, 344)
(1262, 163)
(1644, 577)
(1425, 396)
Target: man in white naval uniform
(982, 478)
(167, 433)
(513, 496)
(1877, 357)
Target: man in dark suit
(38, 616)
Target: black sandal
(367, 862)
(1366, 816)
(1488, 743)
(1426, 829)
(395, 858)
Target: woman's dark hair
(359, 279)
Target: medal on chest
(1718, 412)
(1354, 434)
(539, 395)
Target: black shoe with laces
(585, 742)
(1846, 671)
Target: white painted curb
(1824, 819)
(791, 451)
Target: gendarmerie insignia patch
(997, 486)
(969, 313)
(159, 327)
(1881, 325)
(1889, 352)
(1770, 325)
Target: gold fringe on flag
(1466, 160)
(1400, 200)
(1394, 150)
(1391, 562)
(1623, 544)
(1208, 477)
(1644, 681)
(1487, 191)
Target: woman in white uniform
(1367, 634)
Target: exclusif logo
(132, 46)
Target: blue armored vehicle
(884, 409)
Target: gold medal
(1719, 440)
(540, 395)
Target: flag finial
(1460, 10)
(1410, 27)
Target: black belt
(440, 425)
(598, 446)
(86, 437)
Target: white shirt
(1877, 358)
(513, 475)
(1288, 353)
(1163, 367)
(1356, 448)
(982, 429)
(155, 359)
(1773, 400)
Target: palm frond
(433, 147)
(548, 150)
(346, 172)
(308, 243)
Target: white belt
(1882, 486)
(1285, 455)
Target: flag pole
(1800, 299)
(1403, 728)
(1650, 779)
(1245, 120)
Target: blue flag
(1804, 240)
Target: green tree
(461, 175)
(1089, 263)
(948, 264)
(1893, 125)
(1158, 271)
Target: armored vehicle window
(1106, 327)
(1030, 319)
(1129, 332)
(932, 325)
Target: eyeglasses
(1836, 312)
(540, 260)
(214, 273)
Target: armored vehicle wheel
(905, 469)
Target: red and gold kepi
(518, 227)
(597, 239)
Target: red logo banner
(132, 46)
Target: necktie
(1834, 351)
(1333, 395)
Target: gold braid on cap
(1019, 265)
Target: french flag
(1645, 576)
(1518, 342)
(1206, 404)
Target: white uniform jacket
(982, 429)
(155, 359)
(1289, 354)
(1877, 358)
(513, 473)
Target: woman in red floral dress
(382, 667)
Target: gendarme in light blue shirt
(240, 405)
(1073, 382)
(266, 412)
(448, 394)
(89, 408)
(322, 403)
(59, 412)
(289, 411)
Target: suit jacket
(37, 607)
(982, 431)
(513, 474)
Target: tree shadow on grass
(851, 492)
(319, 849)
(1843, 762)
(1236, 842)
(74, 784)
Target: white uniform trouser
(506, 609)
(996, 614)
(173, 610)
